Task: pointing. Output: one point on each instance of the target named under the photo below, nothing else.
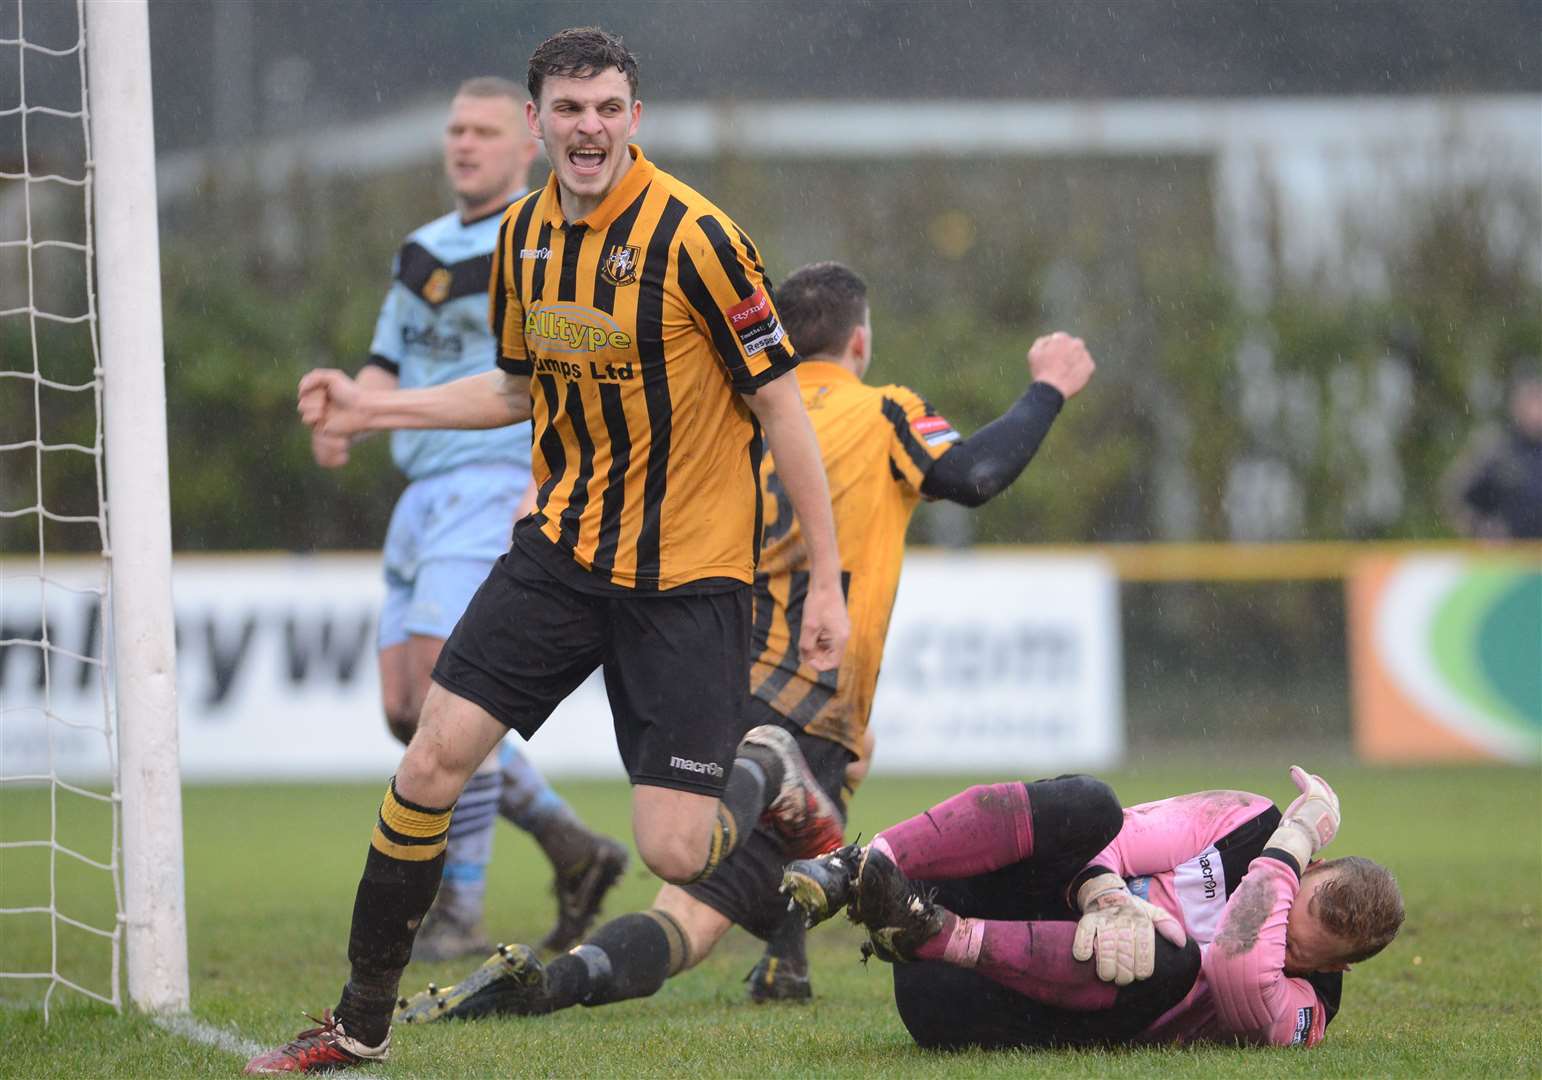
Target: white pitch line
(199, 1032)
(230, 1042)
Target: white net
(61, 894)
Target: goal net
(79, 884)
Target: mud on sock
(628, 957)
(401, 875)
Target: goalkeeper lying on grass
(1041, 914)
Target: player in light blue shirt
(465, 491)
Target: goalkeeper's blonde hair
(1360, 902)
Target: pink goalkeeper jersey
(1167, 851)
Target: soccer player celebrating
(884, 449)
(1040, 914)
(636, 329)
(453, 520)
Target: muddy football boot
(821, 887)
(775, 978)
(803, 815)
(898, 917)
(511, 982)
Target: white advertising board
(1003, 663)
(996, 663)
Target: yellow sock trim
(409, 822)
(725, 836)
(408, 834)
(674, 933)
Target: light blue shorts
(446, 532)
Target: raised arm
(983, 465)
(790, 437)
(331, 403)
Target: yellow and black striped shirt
(639, 326)
(877, 442)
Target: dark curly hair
(580, 52)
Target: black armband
(1075, 885)
(980, 467)
(385, 363)
(1281, 855)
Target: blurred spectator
(1494, 491)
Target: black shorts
(744, 888)
(676, 666)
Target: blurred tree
(1331, 413)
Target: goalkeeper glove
(1120, 929)
(1309, 823)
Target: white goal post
(128, 269)
(89, 878)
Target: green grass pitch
(271, 872)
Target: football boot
(511, 982)
(318, 1049)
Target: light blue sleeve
(387, 342)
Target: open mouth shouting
(587, 160)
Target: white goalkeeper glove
(1120, 929)
(1309, 823)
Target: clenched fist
(1062, 361)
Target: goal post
(127, 249)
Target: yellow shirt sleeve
(918, 435)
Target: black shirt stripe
(723, 338)
(765, 608)
(757, 451)
(650, 348)
(515, 272)
(895, 413)
(726, 256)
(538, 271)
(749, 249)
(787, 666)
(619, 232)
(500, 297)
(614, 415)
(818, 695)
(551, 442)
(572, 244)
(578, 499)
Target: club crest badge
(620, 265)
(437, 287)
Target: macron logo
(710, 768)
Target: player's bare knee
(423, 770)
(673, 856)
